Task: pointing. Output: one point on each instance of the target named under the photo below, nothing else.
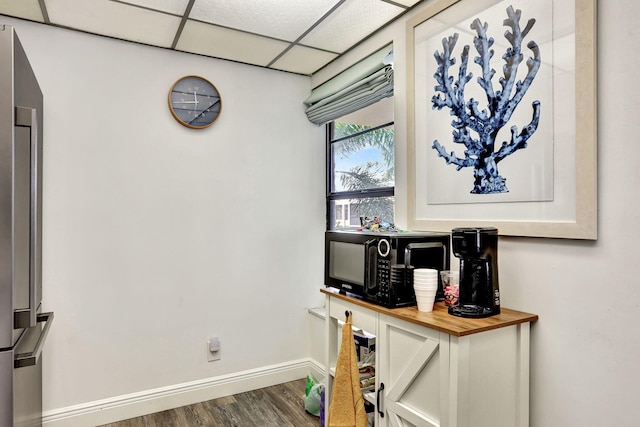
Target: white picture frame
(569, 209)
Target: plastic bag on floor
(313, 395)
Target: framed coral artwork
(502, 117)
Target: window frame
(341, 195)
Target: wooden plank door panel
(410, 369)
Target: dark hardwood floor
(278, 406)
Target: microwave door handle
(27, 117)
(407, 255)
(410, 246)
(368, 272)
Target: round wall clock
(194, 102)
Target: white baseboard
(119, 408)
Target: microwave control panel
(384, 276)
(389, 290)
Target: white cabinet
(433, 369)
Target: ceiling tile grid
(297, 36)
(284, 19)
(350, 23)
(211, 40)
(114, 19)
(407, 3)
(176, 7)
(303, 60)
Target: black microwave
(377, 266)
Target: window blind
(363, 84)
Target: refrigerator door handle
(27, 117)
(29, 359)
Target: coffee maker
(479, 294)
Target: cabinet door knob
(380, 411)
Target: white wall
(157, 236)
(586, 344)
(139, 225)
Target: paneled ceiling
(298, 36)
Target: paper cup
(428, 283)
(425, 283)
(423, 291)
(425, 304)
(425, 273)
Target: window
(360, 166)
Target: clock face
(194, 102)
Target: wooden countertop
(440, 320)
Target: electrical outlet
(213, 349)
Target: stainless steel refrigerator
(23, 325)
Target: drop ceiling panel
(307, 33)
(283, 19)
(176, 7)
(211, 40)
(352, 22)
(27, 9)
(303, 60)
(115, 20)
(407, 3)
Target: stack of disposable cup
(425, 285)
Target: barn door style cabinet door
(436, 370)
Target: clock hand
(195, 98)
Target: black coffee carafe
(479, 293)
